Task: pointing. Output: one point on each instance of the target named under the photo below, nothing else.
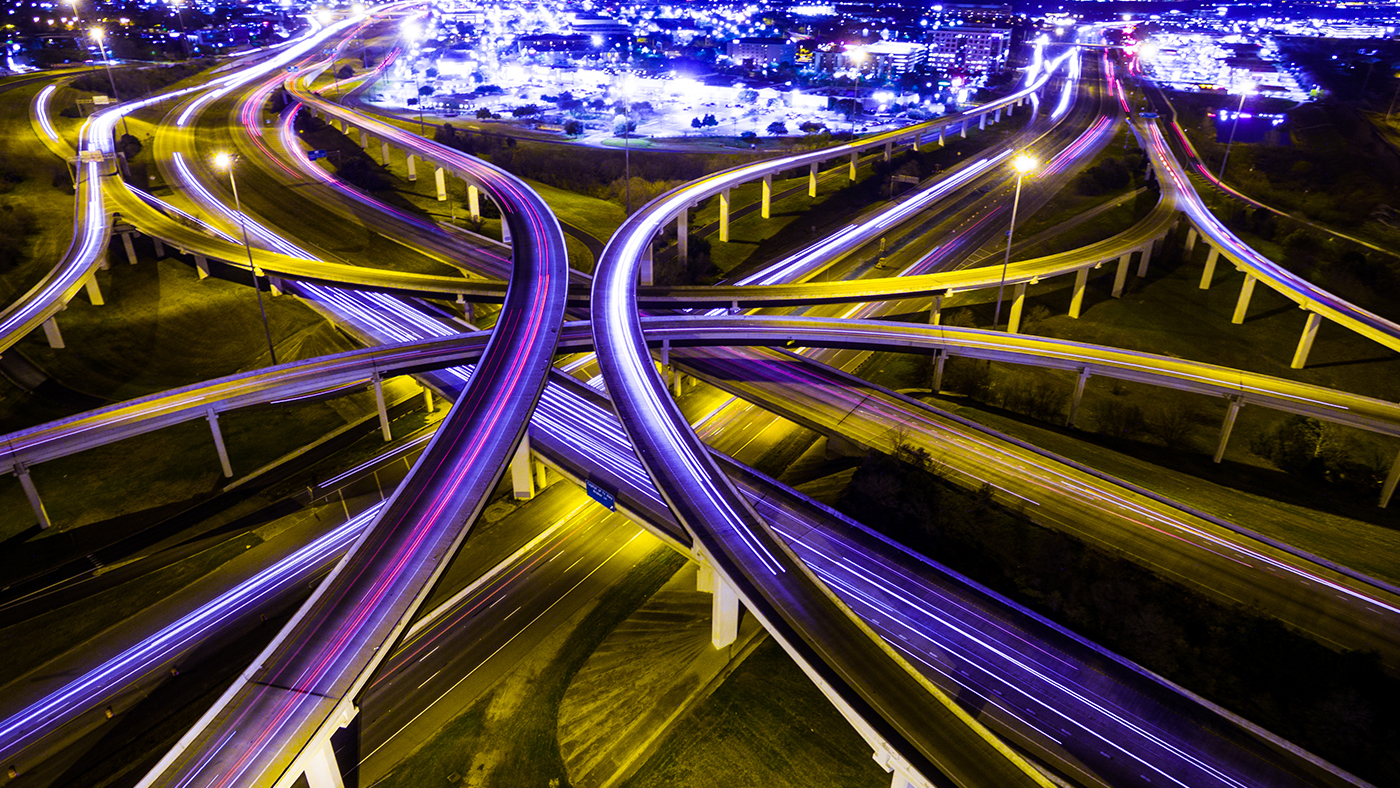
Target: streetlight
(98, 34)
(858, 57)
(1246, 88)
(1022, 164)
(224, 161)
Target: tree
(623, 125)
(696, 123)
(525, 111)
(345, 72)
(432, 73)
(748, 95)
(426, 90)
(810, 127)
(777, 128)
(483, 114)
(573, 127)
(710, 121)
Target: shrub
(1117, 419)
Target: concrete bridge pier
(683, 235)
(440, 177)
(935, 310)
(1305, 342)
(1018, 302)
(322, 770)
(52, 334)
(982, 122)
(855, 162)
(1191, 236)
(212, 416)
(1209, 273)
(37, 504)
(942, 130)
(522, 477)
(724, 215)
(474, 202)
(812, 180)
(1388, 489)
(412, 167)
(160, 247)
(940, 358)
(724, 608)
(889, 150)
(130, 248)
(94, 293)
(647, 272)
(1120, 276)
(384, 152)
(1145, 258)
(364, 139)
(916, 140)
(996, 118)
(1242, 305)
(765, 208)
(962, 130)
(1227, 427)
(1081, 282)
(378, 383)
(1078, 396)
(201, 266)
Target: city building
(761, 51)
(971, 50)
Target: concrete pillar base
(724, 216)
(521, 479)
(474, 202)
(1076, 302)
(765, 208)
(378, 383)
(322, 770)
(35, 502)
(1242, 305)
(94, 292)
(1227, 427)
(1018, 302)
(440, 176)
(1078, 396)
(1209, 273)
(935, 311)
(940, 357)
(855, 162)
(52, 333)
(412, 167)
(1120, 276)
(1305, 342)
(213, 418)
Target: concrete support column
(982, 122)
(427, 399)
(37, 504)
(724, 608)
(1078, 396)
(541, 477)
(322, 769)
(940, 357)
(384, 152)
(1227, 427)
(160, 248)
(1387, 489)
(379, 405)
(129, 247)
(997, 117)
(412, 167)
(1145, 258)
(440, 176)
(855, 162)
(935, 311)
(765, 208)
(724, 215)
(962, 130)
(1242, 305)
(683, 235)
(521, 479)
(1076, 301)
(942, 130)
(212, 416)
(505, 226)
(647, 272)
(1120, 276)
(474, 202)
(94, 293)
(201, 265)
(916, 140)
(812, 180)
(889, 150)
(1209, 272)
(1191, 236)
(52, 334)
(1018, 302)
(364, 139)
(1305, 342)
(1013, 105)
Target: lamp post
(1246, 88)
(98, 34)
(858, 57)
(1022, 164)
(224, 161)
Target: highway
(298, 690)
(971, 344)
